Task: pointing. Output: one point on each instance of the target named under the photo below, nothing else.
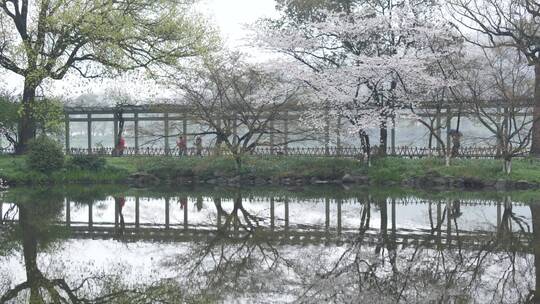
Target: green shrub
(45, 155)
(87, 162)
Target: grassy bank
(15, 170)
(398, 169)
(117, 170)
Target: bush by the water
(87, 162)
(45, 155)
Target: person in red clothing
(121, 146)
(181, 143)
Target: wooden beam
(166, 133)
(338, 135)
(327, 131)
(89, 133)
(136, 118)
(393, 137)
(286, 132)
(68, 134)
(272, 137)
(115, 135)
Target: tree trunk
(535, 214)
(27, 125)
(238, 161)
(383, 142)
(366, 146)
(507, 166)
(535, 142)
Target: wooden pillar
(394, 228)
(89, 133)
(137, 213)
(116, 213)
(327, 213)
(115, 135)
(68, 134)
(287, 213)
(217, 202)
(327, 132)
(338, 135)
(499, 214)
(167, 213)
(136, 121)
(339, 202)
(235, 130)
(90, 215)
(448, 224)
(438, 127)
(184, 130)
(286, 132)
(186, 215)
(68, 213)
(272, 137)
(439, 222)
(166, 133)
(272, 214)
(393, 137)
(448, 128)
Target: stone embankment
(429, 181)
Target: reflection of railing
(472, 240)
(404, 151)
(4, 151)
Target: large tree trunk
(535, 214)
(535, 143)
(27, 124)
(383, 142)
(366, 146)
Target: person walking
(181, 143)
(121, 146)
(198, 146)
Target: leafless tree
(506, 23)
(496, 88)
(236, 101)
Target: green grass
(395, 169)
(328, 168)
(14, 169)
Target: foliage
(49, 40)
(45, 155)
(9, 117)
(48, 115)
(87, 162)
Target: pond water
(111, 244)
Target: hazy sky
(231, 16)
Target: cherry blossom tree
(366, 64)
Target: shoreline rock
(430, 181)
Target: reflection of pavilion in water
(275, 224)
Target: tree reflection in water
(244, 257)
(441, 267)
(37, 212)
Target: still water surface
(323, 245)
